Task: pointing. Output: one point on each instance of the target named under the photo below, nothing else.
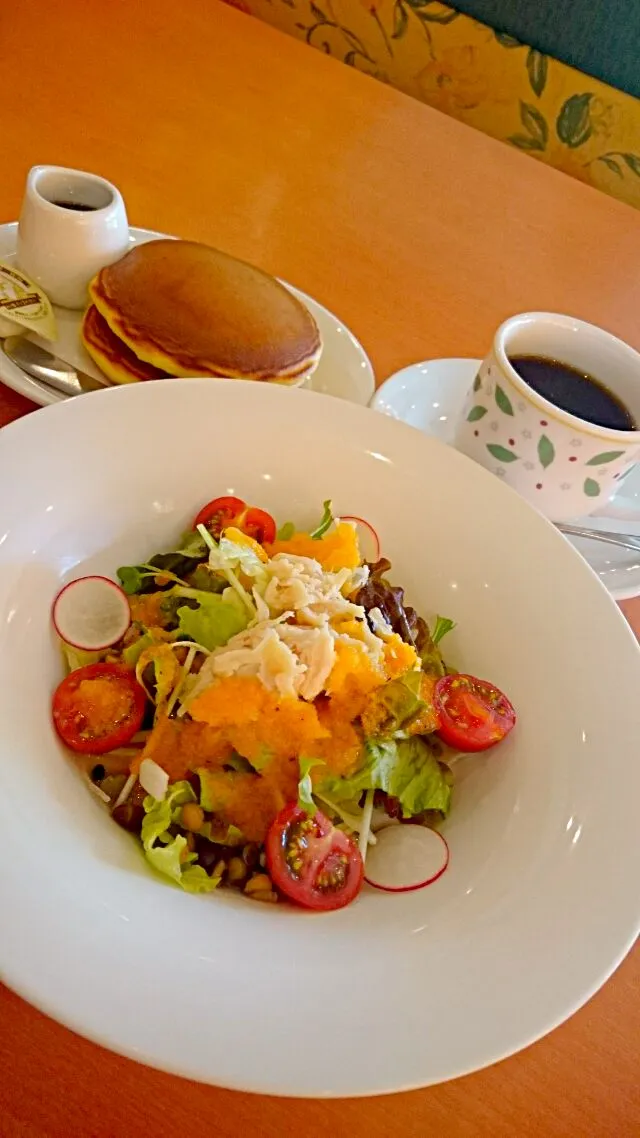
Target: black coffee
(574, 391)
(80, 206)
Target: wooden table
(423, 235)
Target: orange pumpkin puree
(250, 801)
(238, 714)
(399, 657)
(179, 746)
(428, 719)
(338, 549)
(146, 609)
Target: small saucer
(430, 396)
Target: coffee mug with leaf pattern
(564, 465)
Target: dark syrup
(574, 391)
(81, 207)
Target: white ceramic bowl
(540, 901)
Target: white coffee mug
(564, 465)
(72, 224)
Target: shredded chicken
(301, 612)
(299, 582)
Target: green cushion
(602, 39)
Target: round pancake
(114, 358)
(188, 309)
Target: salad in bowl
(262, 709)
(401, 989)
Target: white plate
(540, 901)
(431, 395)
(344, 369)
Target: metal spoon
(623, 540)
(50, 369)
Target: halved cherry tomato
(312, 862)
(219, 513)
(259, 525)
(473, 714)
(98, 708)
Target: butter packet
(23, 305)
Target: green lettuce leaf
(160, 813)
(222, 835)
(430, 657)
(133, 652)
(215, 620)
(207, 580)
(132, 578)
(305, 788)
(235, 556)
(259, 762)
(208, 798)
(418, 780)
(379, 757)
(442, 626)
(396, 703)
(326, 522)
(166, 853)
(241, 765)
(228, 556)
(143, 578)
(348, 813)
(177, 564)
(406, 769)
(167, 860)
(192, 544)
(75, 658)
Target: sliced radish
(406, 857)
(367, 536)
(91, 613)
(153, 779)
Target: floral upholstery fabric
(485, 78)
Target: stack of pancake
(178, 308)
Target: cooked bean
(237, 871)
(192, 816)
(129, 816)
(267, 895)
(259, 883)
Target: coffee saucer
(430, 396)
